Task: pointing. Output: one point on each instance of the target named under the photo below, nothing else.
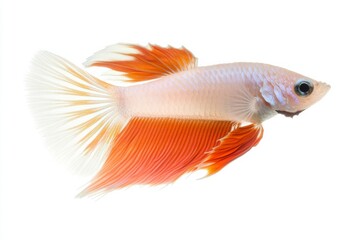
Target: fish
(156, 115)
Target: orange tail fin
(160, 150)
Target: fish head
(290, 93)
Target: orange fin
(136, 63)
(236, 143)
(156, 151)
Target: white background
(301, 182)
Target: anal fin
(156, 151)
(159, 150)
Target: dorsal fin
(136, 63)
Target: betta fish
(166, 117)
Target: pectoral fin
(233, 145)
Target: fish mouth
(289, 114)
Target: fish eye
(303, 88)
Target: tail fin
(77, 113)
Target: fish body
(175, 118)
(202, 93)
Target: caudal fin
(77, 113)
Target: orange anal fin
(137, 63)
(236, 143)
(156, 151)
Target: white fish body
(219, 92)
